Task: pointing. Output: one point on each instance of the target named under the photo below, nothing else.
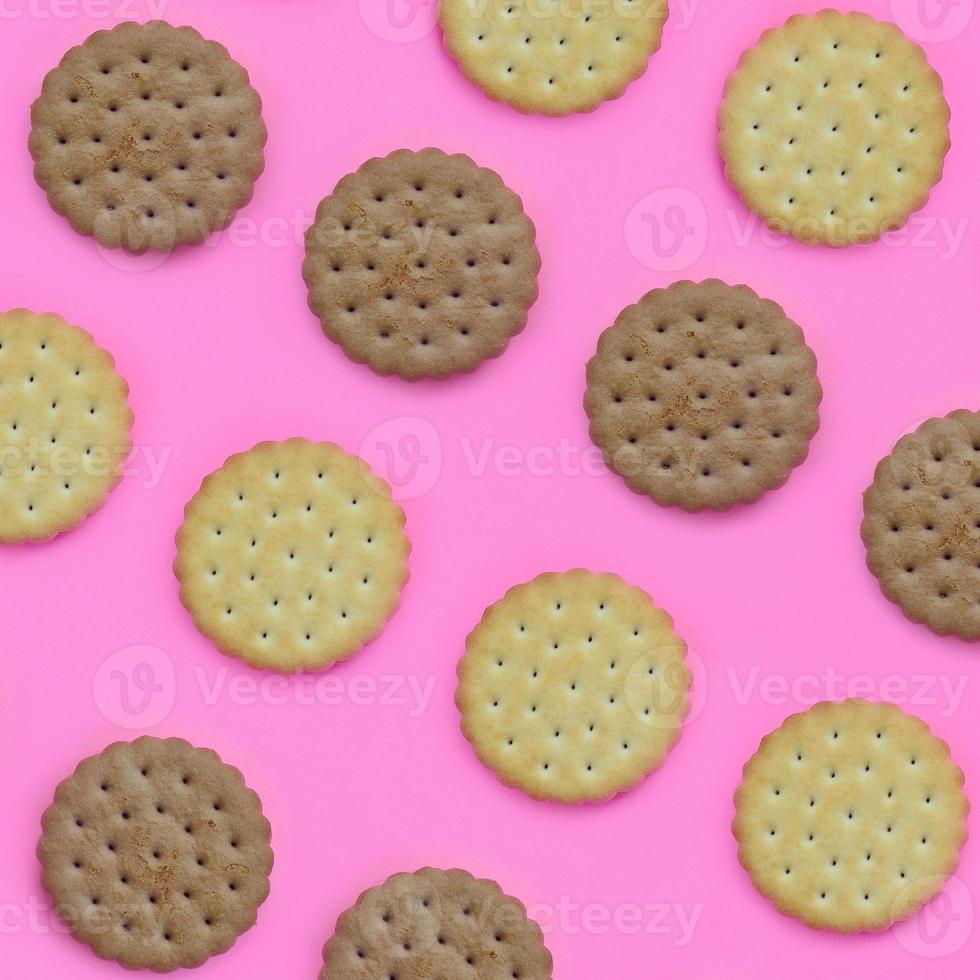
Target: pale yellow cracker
(553, 57)
(573, 687)
(292, 555)
(64, 426)
(834, 128)
(850, 816)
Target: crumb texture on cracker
(573, 687)
(921, 524)
(421, 264)
(553, 58)
(834, 128)
(156, 854)
(147, 136)
(292, 555)
(435, 923)
(703, 395)
(850, 816)
(64, 426)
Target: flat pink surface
(367, 773)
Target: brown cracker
(147, 136)
(573, 687)
(834, 128)
(436, 924)
(850, 816)
(551, 57)
(156, 854)
(922, 524)
(421, 264)
(292, 555)
(703, 395)
(64, 426)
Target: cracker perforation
(553, 58)
(156, 854)
(703, 395)
(436, 923)
(421, 264)
(64, 426)
(292, 555)
(147, 137)
(850, 816)
(834, 128)
(573, 687)
(921, 524)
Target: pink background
(221, 352)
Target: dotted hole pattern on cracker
(551, 57)
(421, 264)
(850, 816)
(292, 555)
(703, 395)
(834, 128)
(64, 426)
(156, 853)
(922, 524)
(573, 687)
(436, 923)
(147, 137)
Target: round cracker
(553, 58)
(435, 923)
(921, 524)
(850, 816)
(573, 687)
(292, 555)
(156, 854)
(421, 264)
(834, 128)
(703, 395)
(64, 426)
(147, 136)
